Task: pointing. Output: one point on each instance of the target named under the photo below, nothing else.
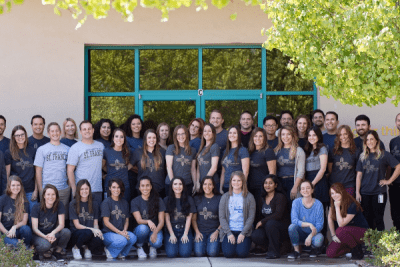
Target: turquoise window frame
(183, 95)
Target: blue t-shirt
(395, 151)
(302, 142)
(344, 167)
(181, 163)
(134, 143)
(88, 160)
(141, 205)
(329, 141)
(23, 167)
(47, 219)
(273, 143)
(36, 143)
(176, 217)
(284, 165)
(258, 166)
(4, 144)
(116, 165)
(195, 143)
(105, 143)
(207, 213)
(359, 143)
(7, 209)
(84, 217)
(116, 211)
(313, 162)
(373, 170)
(231, 165)
(221, 139)
(205, 161)
(314, 215)
(68, 142)
(53, 161)
(3, 173)
(236, 219)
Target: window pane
(169, 69)
(171, 112)
(112, 71)
(118, 109)
(232, 69)
(231, 110)
(298, 104)
(280, 78)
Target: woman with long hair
(343, 160)
(133, 128)
(163, 135)
(307, 217)
(103, 130)
(148, 210)
(178, 215)
(118, 240)
(84, 217)
(116, 161)
(196, 127)
(237, 210)
(345, 213)
(208, 155)
(181, 158)
(271, 229)
(206, 220)
(69, 132)
(48, 218)
(262, 162)
(14, 213)
(19, 160)
(371, 182)
(291, 162)
(302, 125)
(235, 158)
(150, 161)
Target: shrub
(384, 245)
(15, 256)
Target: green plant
(384, 245)
(15, 256)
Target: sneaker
(87, 254)
(76, 252)
(141, 254)
(59, 256)
(271, 256)
(313, 252)
(153, 252)
(357, 253)
(108, 254)
(294, 255)
(348, 255)
(121, 257)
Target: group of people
(199, 188)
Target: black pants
(394, 198)
(271, 234)
(374, 211)
(85, 237)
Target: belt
(285, 177)
(179, 226)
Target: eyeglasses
(19, 135)
(270, 125)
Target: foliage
(351, 47)
(384, 245)
(19, 256)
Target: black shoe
(313, 252)
(271, 256)
(294, 255)
(258, 251)
(357, 253)
(36, 257)
(58, 255)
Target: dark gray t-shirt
(284, 165)
(47, 220)
(258, 166)
(205, 161)
(231, 165)
(221, 139)
(373, 170)
(141, 205)
(7, 209)
(85, 218)
(181, 164)
(177, 217)
(116, 166)
(36, 143)
(116, 211)
(23, 168)
(273, 143)
(207, 213)
(395, 151)
(344, 167)
(313, 162)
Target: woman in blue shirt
(69, 132)
(103, 130)
(196, 127)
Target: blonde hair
(294, 144)
(65, 123)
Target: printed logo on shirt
(85, 215)
(118, 213)
(282, 161)
(57, 155)
(369, 168)
(145, 216)
(9, 215)
(395, 151)
(228, 162)
(178, 215)
(252, 164)
(183, 161)
(150, 165)
(46, 224)
(35, 146)
(343, 164)
(94, 152)
(267, 210)
(207, 214)
(202, 161)
(118, 165)
(24, 164)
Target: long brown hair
(14, 149)
(125, 149)
(20, 200)
(244, 183)
(188, 149)
(203, 141)
(252, 146)
(337, 149)
(378, 151)
(345, 203)
(43, 202)
(229, 145)
(78, 196)
(294, 145)
(169, 141)
(156, 152)
(302, 117)
(201, 122)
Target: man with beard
(4, 141)
(363, 125)
(318, 119)
(394, 188)
(286, 119)
(246, 127)
(37, 139)
(331, 124)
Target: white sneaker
(121, 257)
(76, 253)
(141, 254)
(153, 252)
(88, 254)
(108, 254)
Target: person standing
(3, 173)
(318, 119)
(85, 161)
(246, 127)
(69, 133)
(363, 125)
(4, 141)
(103, 130)
(163, 135)
(4, 145)
(37, 139)
(331, 124)
(394, 189)
(270, 125)
(51, 165)
(196, 127)
(208, 155)
(286, 120)
(302, 125)
(134, 132)
(217, 120)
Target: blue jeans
(143, 234)
(298, 236)
(184, 250)
(205, 247)
(117, 244)
(241, 250)
(24, 232)
(31, 204)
